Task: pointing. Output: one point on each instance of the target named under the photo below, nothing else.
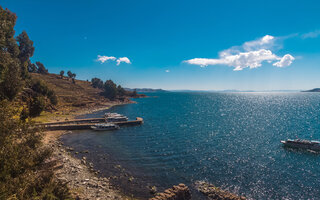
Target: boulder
(216, 193)
(177, 192)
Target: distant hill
(234, 91)
(145, 90)
(313, 90)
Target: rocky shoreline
(77, 174)
(83, 181)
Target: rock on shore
(177, 192)
(81, 178)
(216, 193)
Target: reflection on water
(229, 139)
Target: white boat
(302, 144)
(115, 117)
(105, 127)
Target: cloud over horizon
(312, 34)
(251, 54)
(104, 59)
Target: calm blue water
(229, 139)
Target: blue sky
(278, 40)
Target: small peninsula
(312, 90)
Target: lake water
(229, 139)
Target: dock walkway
(83, 124)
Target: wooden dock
(76, 121)
(83, 124)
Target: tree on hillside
(61, 74)
(52, 97)
(26, 52)
(39, 86)
(97, 83)
(10, 80)
(32, 67)
(38, 96)
(121, 91)
(73, 77)
(7, 41)
(69, 73)
(110, 90)
(41, 68)
(36, 106)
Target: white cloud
(285, 61)
(123, 59)
(167, 71)
(251, 59)
(265, 42)
(251, 54)
(312, 34)
(103, 59)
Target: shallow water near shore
(229, 139)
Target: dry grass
(73, 98)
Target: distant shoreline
(312, 90)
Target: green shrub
(23, 174)
(36, 106)
(10, 80)
(39, 86)
(52, 97)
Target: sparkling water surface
(229, 139)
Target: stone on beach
(216, 193)
(180, 192)
(77, 175)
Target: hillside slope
(72, 98)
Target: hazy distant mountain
(235, 91)
(313, 90)
(145, 90)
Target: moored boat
(115, 117)
(105, 127)
(302, 144)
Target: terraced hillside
(72, 97)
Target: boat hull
(301, 146)
(104, 129)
